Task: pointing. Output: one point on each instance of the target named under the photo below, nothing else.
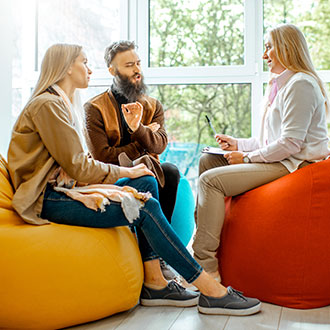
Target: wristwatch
(246, 159)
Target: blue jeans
(155, 236)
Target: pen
(210, 124)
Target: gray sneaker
(168, 273)
(172, 295)
(233, 303)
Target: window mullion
(257, 85)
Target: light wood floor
(171, 318)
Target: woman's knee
(149, 180)
(205, 162)
(210, 180)
(149, 183)
(209, 161)
(150, 210)
(204, 179)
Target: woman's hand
(235, 157)
(135, 171)
(226, 142)
(132, 113)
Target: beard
(125, 87)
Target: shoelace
(237, 293)
(174, 285)
(162, 263)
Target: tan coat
(43, 138)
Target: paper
(214, 151)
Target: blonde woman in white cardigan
(293, 135)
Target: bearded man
(125, 126)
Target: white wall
(6, 53)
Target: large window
(196, 33)
(201, 62)
(312, 17)
(185, 106)
(91, 24)
(42, 23)
(199, 57)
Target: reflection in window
(17, 49)
(227, 105)
(92, 24)
(312, 17)
(17, 102)
(90, 92)
(196, 33)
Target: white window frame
(134, 26)
(6, 56)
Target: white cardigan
(298, 113)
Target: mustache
(124, 86)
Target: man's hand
(226, 142)
(132, 113)
(154, 127)
(235, 157)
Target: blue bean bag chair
(183, 221)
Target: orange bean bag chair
(275, 243)
(55, 276)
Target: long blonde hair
(292, 52)
(55, 65)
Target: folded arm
(151, 140)
(98, 142)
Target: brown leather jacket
(104, 129)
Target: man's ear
(112, 70)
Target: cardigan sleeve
(98, 143)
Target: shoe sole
(169, 302)
(228, 311)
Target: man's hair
(117, 47)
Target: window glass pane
(90, 92)
(227, 105)
(312, 17)
(91, 24)
(17, 105)
(17, 41)
(196, 33)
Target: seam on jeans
(192, 279)
(152, 257)
(171, 242)
(69, 199)
(61, 199)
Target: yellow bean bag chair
(54, 276)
